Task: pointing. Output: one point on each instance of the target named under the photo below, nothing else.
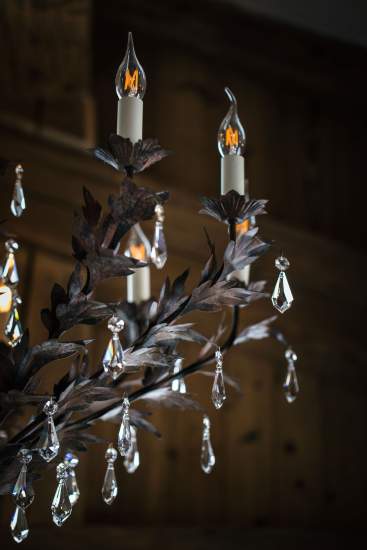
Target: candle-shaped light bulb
(138, 245)
(130, 77)
(231, 135)
(138, 284)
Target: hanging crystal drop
(113, 359)
(282, 296)
(61, 507)
(218, 390)
(109, 488)
(291, 385)
(124, 436)
(132, 459)
(71, 461)
(49, 443)
(13, 328)
(159, 248)
(17, 205)
(207, 454)
(10, 272)
(19, 525)
(178, 384)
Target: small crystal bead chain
(10, 278)
(23, 495)
(218, 390)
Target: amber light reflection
(5, 298)
(243, 227)
(138, 251)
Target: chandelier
(143, 358)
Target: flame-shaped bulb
(138, 245)
(130, 78)
(231, 135)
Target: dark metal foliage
(154, 331)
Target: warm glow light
(5, 298)
(138, 251)
(243, 227)
(231, 135)
(130, 78)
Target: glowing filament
(231, 137)
(131, 81)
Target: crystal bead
(10, 271)
(132, 459)
(218, 390)
(17, 205)
(113, 359)
(71, 459)
(109, 488)
(111, 454)
(291, 386)
(50, 407)
(25, 456)
(207, 454)
(22, 492)
(12, 246)
(159, 248)
(13, 328)
(290, 355)
(282, 297)
(115, 324)
(49, 442)
(61, 506)
(282, 263)
(19, 525)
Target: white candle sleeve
(242, 275)
(138, 285)
(233, 174)
(130, 118)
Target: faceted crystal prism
(159, 248)
(219, 390)
(124, 436)
(17, 205)
(61, 507)
(19, 525)
(13, 328)
(49, 443)
(207, 454)
(109, 488)
(282, 297)
(22, 492)
(10, 270)
(132, 459)
(113, 359)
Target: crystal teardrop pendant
(49, 443)
(113, 359)
(291, 385)
(207, 454)
(17, 205)
(159, 248)
(132, 459)
(218, 390)
(71, 461)
(22, 492)
(19, 525)
(124, 436)
(109, 488)
(61, 507)
(282, 296)
(13, 328)
(10, 272)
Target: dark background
(285, 475)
